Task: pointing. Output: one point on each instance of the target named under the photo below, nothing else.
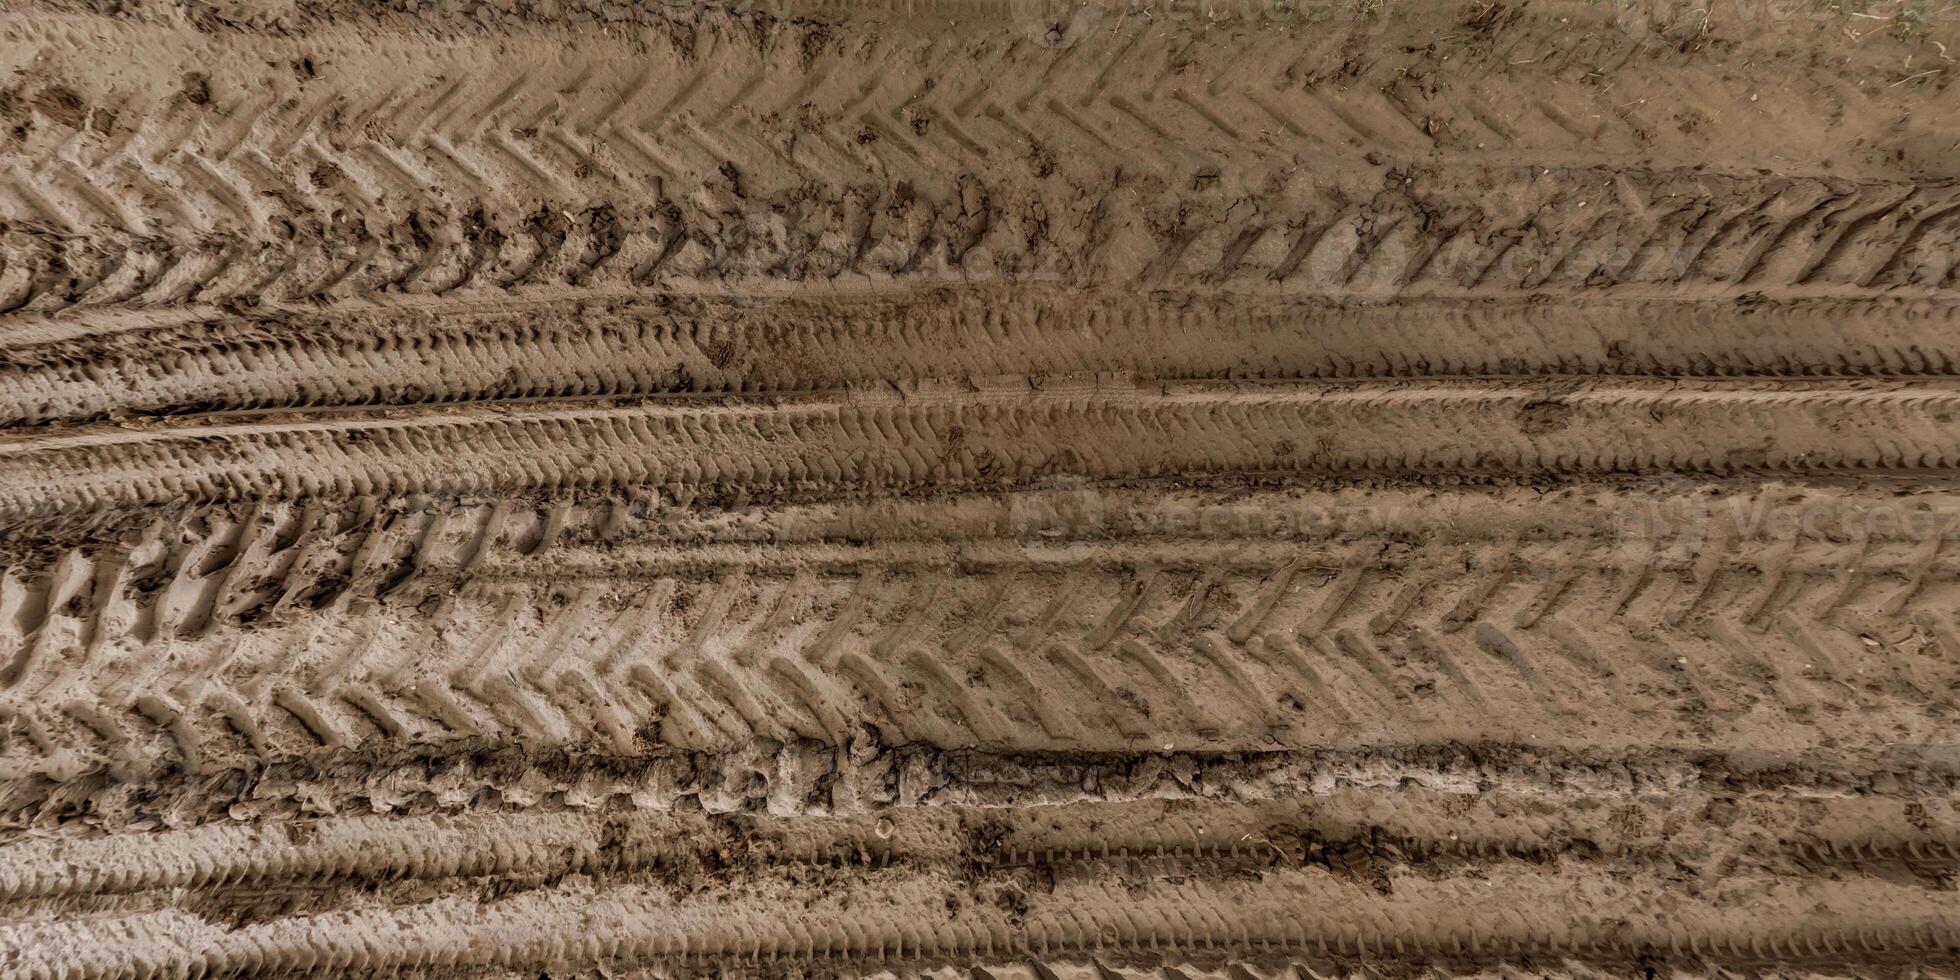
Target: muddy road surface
(982, 489)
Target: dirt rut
(980, 489)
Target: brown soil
(983, 488)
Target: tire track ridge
(1379, 248)
(1408, 429)
(1475, 654)
(1194, 918)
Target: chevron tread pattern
(977, 490)
(691, 158)
(275, 637)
